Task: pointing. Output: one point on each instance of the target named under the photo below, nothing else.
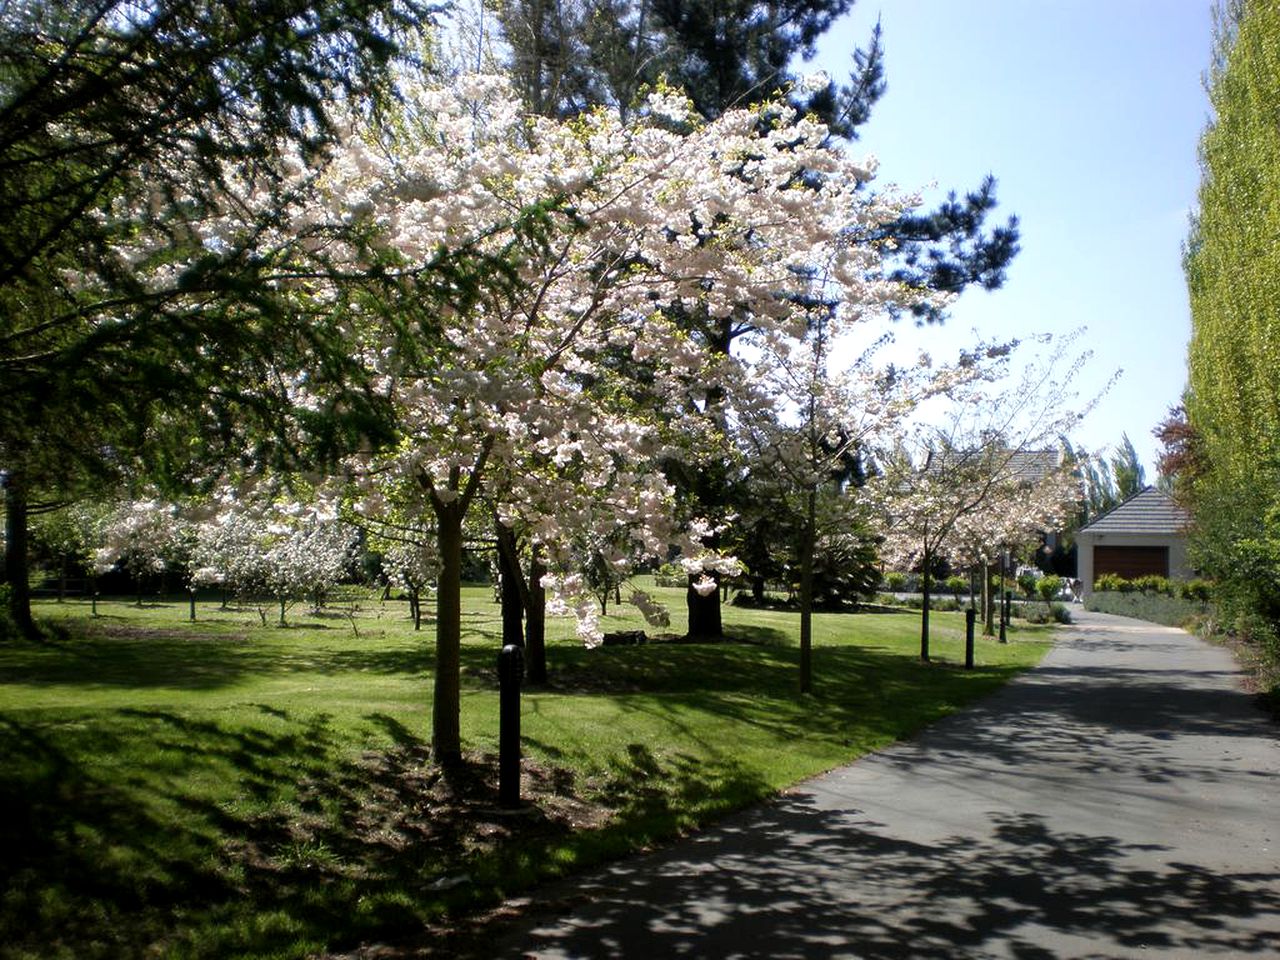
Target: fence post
(510, 672)
(969, 616)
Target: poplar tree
(1233, 276)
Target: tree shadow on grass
(136, 657)
(277, 837)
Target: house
(1145, 534)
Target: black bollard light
(510, 673)
(970, 616)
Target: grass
(225, 789)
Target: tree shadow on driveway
(793, 880)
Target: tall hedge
(1233, 274)
(1233, 262)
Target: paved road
(1121, 800)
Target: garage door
(1130, 562)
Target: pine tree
(121, 126)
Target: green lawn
(221, 789)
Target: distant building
(1144, 535)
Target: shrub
(1049, 587)
(1253, 628)
(1055, 613)
(1027, 584)
(916, 602)
(1153, 584)
(1111, 583)
(1201, 591)
(895, 581)
(956, 586)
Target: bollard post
(1005, 603)
(193, 604)
(970, 616)
(510, 672)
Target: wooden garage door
(1130, 562)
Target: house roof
(1030, 466)
(1147, 511)
(1034, 465)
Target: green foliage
(955, 586)
(1153, 584)
(671, 575)
(1200, 591)
(896, 581)
(1027, 584)
(1233, 277)
(1049, 587)
(1051, 613)
(1150, 584)
(567, 56)
(146, 332)
(1126, 469)
(1112, 583)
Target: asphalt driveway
(1121, 800)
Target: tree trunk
(535, 623)
(806, 595)
(446, 736)
(17, 556)
(705, 620)
(924, 610)
(988, 608)
(704, 613)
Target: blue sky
(1088, 112)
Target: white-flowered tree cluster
(810, 421)
(411, 566)
(257, 547)
(585, 242)
(147, 538)
(988, 475)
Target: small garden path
(1120, 800)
